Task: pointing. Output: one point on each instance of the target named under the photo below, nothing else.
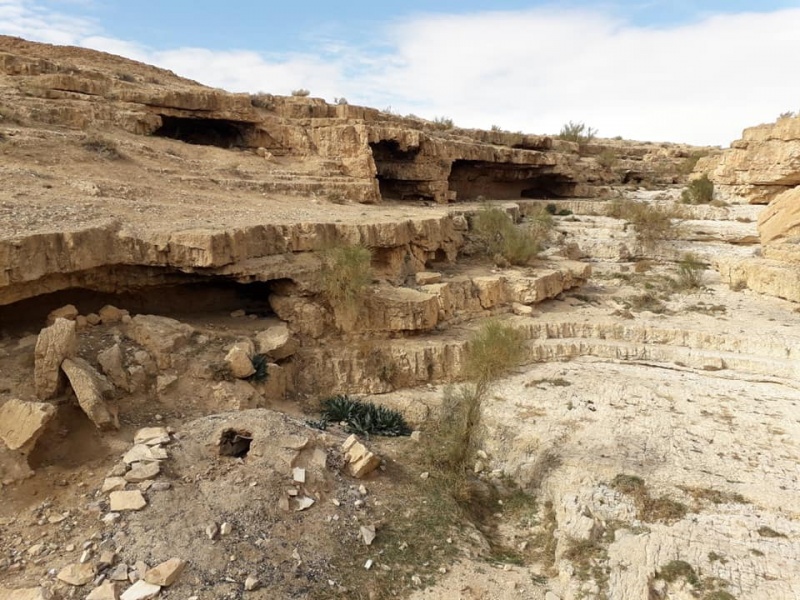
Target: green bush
(577, 132)
(607, 159)
(500, 237)
(651, 223)
(301, 93)
(346, 273)
(690, 273)
(699, 191)
(443, 123)
(262, 100)
(363, 418)
(103, 147)
(492, 351)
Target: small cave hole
(235, 443)
(206, 132)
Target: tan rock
(111, 314)
(124, 501)
(239, 360)
(360, 462)
(236, 395)
(93, 319)
(91, 388)
(780, 221)
(21, 423)
(113, 484)
(55, 343)
(35, 593)
(139, 453)
(143, 472)
(112, 363)
(427, 277)
(151, 435)
(68, 312)
(141, 590)
(161, 336)
(166, 573)
(77, 574)
(107, 591)
(276, 342)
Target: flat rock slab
(54, 344)
(151, 436)
(132, 500)
(37, 593)
(141, 590)
(21, 423)
(77, 574)
(107, 591)
(91, 388)
(139, 453)
(143, 472)
(166, 573)
(161, 336)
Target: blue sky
(653, 70)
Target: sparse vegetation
(769, 532)
(126, 77)
(607, 159)
(678, 569)
(661, 509)
(363, 418)
(577, 132)
(301, 93)
(493, 350)
(690, 273)
(263, 100)
(443, 123)
(499, 237)
(341, 101)
(260, 364)
(699, 191)
(690, 162)
(103, 147)
(346, 272)
(651, 223)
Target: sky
(653, 70)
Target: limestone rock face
(276, 342)
(780, 221)
(161, 336)
(92, 389)
(55, 343)
(761, 165)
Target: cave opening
(398, 172)
(181, 296)
(206, 132)
(476, 179)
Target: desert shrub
(690, 273)
(678, 569)
(126, 77)
(301, 93)
(661, 509)
(103, 147)
(492, 351)
(577, 132)
(341, 101)
(363, 418)
(651, 223)
(443, 122)
(346, 273)
(260, 364)
(500, 237)
(690, 162)
(262, 100)
(607, 159)
(699, 191)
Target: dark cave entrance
(180, 296)
(398, 176)
(235, 443)
(207, 132)
(474, 179)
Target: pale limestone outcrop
(55, 343)
(21, 425)
(92, 390)
(161, 336)
(276, 341)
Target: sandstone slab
(239, 360)
(276, 342)
(34, 593)
(143, 472)
(166, 573)
(360, 461)
(112, 363)
(76, 574)
(124, 501)
(21, 423)
(92, 389)
(55, 343)
(161, 336)
(141, 590)
(107, 591)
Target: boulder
(239, 360)
(276, 342)
(68, 312)
(21, 423)
(112, 363)
(55, 343)
(166, 573)
(236, 395)
(91, 388)
(111, 314)
(161, 336)
(360, 462)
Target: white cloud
(531, 70)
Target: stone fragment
(112, 364)
(119, 573)
(225, 529)
(276, 342)
(166, 573)
(161, 486)
(54, 344)
(106, 591)
(111, 518)
(163, 382)
(93, 319)
(151, 436)
(76, 574)
(143, 472)
(367, 534)
(360, 462)
(138, 453)
(113, 484)
(522, 310)
(212, 531)
(251, 584)
(34, 593)
(91, 388)
(238, 314)
(141, 590)
(121, 501)
(236, 395)
(304, 503)
(428, 277)
(111, 314)
(161, 336)
(81, 323)
(107, 558)
(239, 360)
(299, 475)
(21, 423)
(69, 312)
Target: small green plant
(363, 418)
(650, 509)
(301, 93)
(699, 191)
(577, 132)
(261, 365)
(678, 569)
(443, 123)
(103, 147)
(651, 223)
(346, 273)
(690, 273)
